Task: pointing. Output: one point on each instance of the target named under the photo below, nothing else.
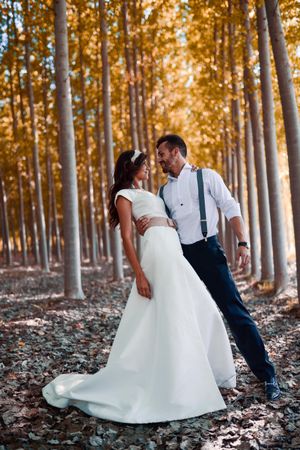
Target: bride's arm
(124, 211)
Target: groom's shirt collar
(185, 167)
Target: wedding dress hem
(91, 410)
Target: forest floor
(44, 335)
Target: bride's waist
(160, 222)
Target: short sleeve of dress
(126, 193)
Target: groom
(206, 255)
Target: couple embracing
(171, 352)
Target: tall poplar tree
(290, 114)
(72, 275)
(35, 150)
(130, 79)
(259, 155)
(276, 206)
(116, 237)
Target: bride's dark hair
(125, 170)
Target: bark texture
(72, 274)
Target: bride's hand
(143, 286)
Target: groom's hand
(142, 224)
(243, 256)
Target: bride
(171, 350)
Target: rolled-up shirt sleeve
(224, 200)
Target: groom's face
(166, 158)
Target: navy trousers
(209, 261)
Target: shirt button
(181, 204)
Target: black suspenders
(161, 194)
(202, 210)
(203, 220)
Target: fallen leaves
(44, 335)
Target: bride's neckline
(140, 190)
(136, 189)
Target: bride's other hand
(194, 168)
(143, 286)
(142, 225)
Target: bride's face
(143, 172)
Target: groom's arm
(231, 210)
(242, 254)
(142, 225)
(238, 226)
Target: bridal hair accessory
(136, 154)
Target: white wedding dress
(170, 353)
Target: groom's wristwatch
(244, 244)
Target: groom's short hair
(172, 141)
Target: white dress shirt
(181, 197)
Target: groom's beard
(165, 168)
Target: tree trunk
(80, 240)
(130, 78)
(13, 232)
(12, 107)
(34, 232)
(16, 144)
(236, 114)
(276, 205)
(259, 155)
(290, 115)
(116, 237)
(16, 44)
(3, 255)
(145, 112)
(162, 98)
(84, 227)
(22, 216)
(23, 235)
(229, 241)
(72, 275)
(50, 205)
(125, 144)
(105, 249)
(6, 236)
(100, 240)
(139, 117)
(55, 218)
(104, 218)
(90, 184)
(48, 165)
(252, 194)
(36, 164)
(229, 236)
(153, 124)
(139, 120)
